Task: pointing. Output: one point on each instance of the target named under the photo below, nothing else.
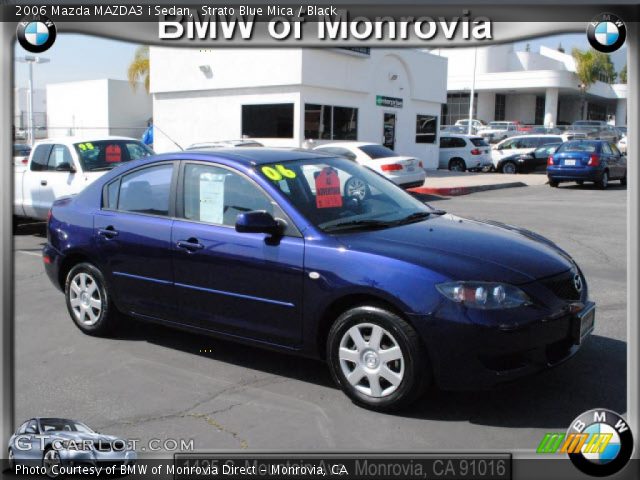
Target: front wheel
(553, 184)
(509, 168)
(50, 460)
(377, 358)
(88, 300)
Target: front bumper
(409, 180)
(94, 457)
(468, 356)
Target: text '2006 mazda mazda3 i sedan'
(315, 255)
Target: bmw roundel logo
(606, 32)
(606, 442)
(577, 282)
(36, 34)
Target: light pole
(30, 60)
(473, 90)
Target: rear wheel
(88, 300)
(377, 358)
(509, 168)
(457, 165)
(603, 183)
(580, 182)
(553, 183)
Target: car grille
(563, 286)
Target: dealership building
(299, 97)
(538, 88)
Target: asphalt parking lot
(153, 382)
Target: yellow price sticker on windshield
(278, 172)
(85, 146)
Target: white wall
(96, 107)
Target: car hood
(82, 436)
(464, 249)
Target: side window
(458, 142)
(59, 156)
(110, 199)
(22, 428)
(147, 190)
(445, 142)
(506, 145)
(606, 149)
(217, 195)
(40, 158)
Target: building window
(327, 122)
(426, 128)
(501, 107)
(457, 107)
(268, 121)
(539, 118)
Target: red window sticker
(113, 154)
(328, 193)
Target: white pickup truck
(64, 166)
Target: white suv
(463, 152)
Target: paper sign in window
(328, 194)
(113, 154)
(212, 198)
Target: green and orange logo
(574, 443)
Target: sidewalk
(449, 184)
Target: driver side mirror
(66, 167)
(259, 221)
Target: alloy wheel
(509, 168)
(85, 299)
(371, 360)
(51, 459)
(356, 188)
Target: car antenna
(170, 139)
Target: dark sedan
(316, 255)
(597, 161)
(527, 162)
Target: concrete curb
(455, 191)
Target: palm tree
(591, 66)
(139, 68)
(623, 74)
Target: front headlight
(484, 295)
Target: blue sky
(82, 57)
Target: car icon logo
(577, 282)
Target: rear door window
(147, 190)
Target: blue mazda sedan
(315, 255)
(580, 161)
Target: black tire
(623, 180)
(509, 168)
(457, 165)
(603, 183)
(413, 368)
(54, 453)
(580, 182)
(84, 312)
(11, 460)
(553, 184)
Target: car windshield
(580, 146)
(106, 154)
(63, 425)
(338, 195)
(378, 151)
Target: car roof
(81, 139)
(347, 144)
(252, 155)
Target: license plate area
(583, 324)
(570, 162)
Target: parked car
(406, 172)
(224, 144)
(622, 145)
(518, 145)
(21, 153)
(529, 161)
(475, 125)
(582, 161)
(497, 131)
(596, 129)
(64, 166)
(50, 442)
(265, 247)
(453, 129)
(463, 152)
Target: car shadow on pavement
(254, 358)
(595, 378)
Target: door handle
(108, 232)
(190, 245)
(43, 183)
